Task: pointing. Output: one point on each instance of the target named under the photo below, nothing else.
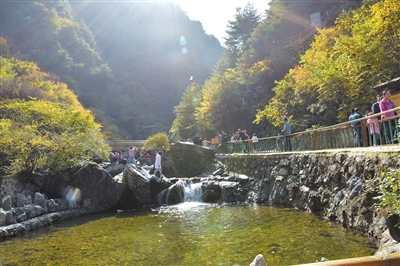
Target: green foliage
(340, 69)
(221, 103)
(389, 188)
(42, 124)
(185, 125)
(156, 141)
(235, 95)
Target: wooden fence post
(316, 142)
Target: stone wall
(30, 214)
(332, 184)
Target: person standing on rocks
(157, 165)
(131, 157)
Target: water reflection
(191, 233)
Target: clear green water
(187, 234)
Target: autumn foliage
(42, 124)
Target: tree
(185, 124)
(239, 31)
(220, 107)
(339, 71)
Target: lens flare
(191, 78)
(184, 50)
(182, 40)
(73, 194)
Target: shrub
(42, 123)
(156, 141)
(389, 188)
(47, 134)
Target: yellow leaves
(156, 141)
(46, 134)
(52, 131)
(62, 22)
(30, 80)
(259, 68)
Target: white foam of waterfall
(192, 192)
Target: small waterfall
(192, 192)
(181, 192)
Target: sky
(215, 14)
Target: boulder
(30, 211)
(49, 183)
(113, 168)
(10, 218)
(138, 182)
(393, 224)
(228, 191)
(212, 192)
(258, 261)
(172, 195)
(21, 200)
(3, 217)
(39, 198)
(6, 203)
(188, 160)
(94, 183)
(156, 186)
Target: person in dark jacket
(356, 127)
(286, 131)
(197, 140)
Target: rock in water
(98, 185)
(259, 261)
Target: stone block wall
(336, 185)
(29, 214)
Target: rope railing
(343, 135)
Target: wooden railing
(379, 260)
(337, 136)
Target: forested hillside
(129, 62)
(315, 81)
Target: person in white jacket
(157, 165)
(254, 139)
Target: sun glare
(214, 15)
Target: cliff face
(337, 185)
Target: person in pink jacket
(374, 129)
(390, 125)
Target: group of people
(117, 157)
(385, 131)
(243, 135)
